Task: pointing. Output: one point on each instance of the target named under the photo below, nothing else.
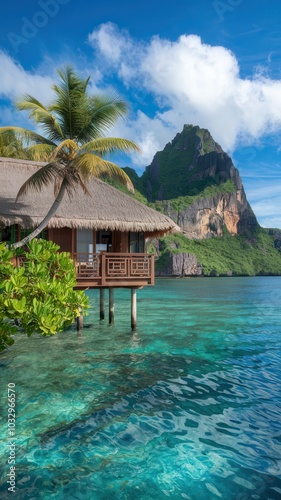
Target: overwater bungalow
(105, 231)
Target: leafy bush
(38, 296)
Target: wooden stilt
(111, 306)
(133, 308)
(101, 303)
(79, 322)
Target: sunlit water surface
(189, 406)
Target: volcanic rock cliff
(194, 170)
(195, 183)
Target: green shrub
(39, 296)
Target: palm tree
(75, 124)
(12, 146)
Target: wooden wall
(64, 237)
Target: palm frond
(90, 165)
(109, 107)
(40, 114)
(69, 105)
(43, 177)
(40, 152)
(109, 145)
(70, 79)
(83, 185)
(66, 150)
(11, 146)
(27, 136)
(74, 180)
(101, 113)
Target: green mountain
(195, 183)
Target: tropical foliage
(39, 296)
(12, 146)
(74, 127)
(227, 255)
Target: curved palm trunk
(45, 221)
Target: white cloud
(149, 134)
(15, 81)
(192, 82)
(102, 40)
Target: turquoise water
(187, 407)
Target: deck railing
(106, 269)
(114, 269)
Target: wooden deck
(105, 270)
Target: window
(16, 233)
(136, 242)
(85, 242)
(104, 241)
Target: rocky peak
(187, 166)
(194, 138)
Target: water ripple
(190, 412)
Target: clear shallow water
(189, 406)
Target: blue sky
(212, 63)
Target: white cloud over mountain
(192, 82)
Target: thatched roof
(106, 208)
